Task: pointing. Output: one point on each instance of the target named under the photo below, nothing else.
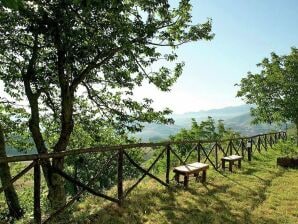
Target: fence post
(242, 148)
(259, 143)
(168, 163)
(231, 147)
(216, 155)
(120, 177)
(275, 138)
(249, 149)
(266, 142)
(199, 152)
(37, 211)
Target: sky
(246, 31)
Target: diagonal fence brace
(82, 185)
(146, 172)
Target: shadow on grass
(163, 207)
(200, 203)
(176, 206)
(266, 184)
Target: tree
(55, 52)
(89, 132)
(13, 132)
(274, 90)
(206, 130)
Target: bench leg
(185, 181)
(177, 178)
(196, 175)
(231, 163)
(204, 176)
(239, 163)
(223, 164)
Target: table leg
(204, 175)
(177, 178)
(186, 181)
(196, 175)
(231, 166)
(223, 164)
(239, 163)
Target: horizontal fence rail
(175, 153)
(99, 149)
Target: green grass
(24, 188)
(292, 132)
(260, 192)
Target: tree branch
(91, 97)
(92, 66)
(167, 45)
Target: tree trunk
(296, 123)
(66, 129)
(55, 183)
(11, 196)
(40, 146)
(67, 97)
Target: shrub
(288, 148)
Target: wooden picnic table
(231, 159)
(189, 169)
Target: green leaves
(208, 129)
(274, 90)
(12, 4)
(13, 120)
(97, 52)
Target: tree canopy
(103, 48)
(62, 52)
(274, 90)
(208, 129)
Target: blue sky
(246, 31)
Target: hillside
(238, 118)
(258, 193)
(157, 132)
(222, 113)
(243, 124)
(10, 151)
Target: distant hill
(222, 113)
(243, 119)
(242, 124)
(157, 132)
(237, 117)
(14, 152)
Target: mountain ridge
(236, 117)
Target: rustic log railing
(202, 151)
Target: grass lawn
(260, 192)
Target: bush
(287, 148)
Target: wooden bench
(188, 169)
(231, 159)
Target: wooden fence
(209, 152)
